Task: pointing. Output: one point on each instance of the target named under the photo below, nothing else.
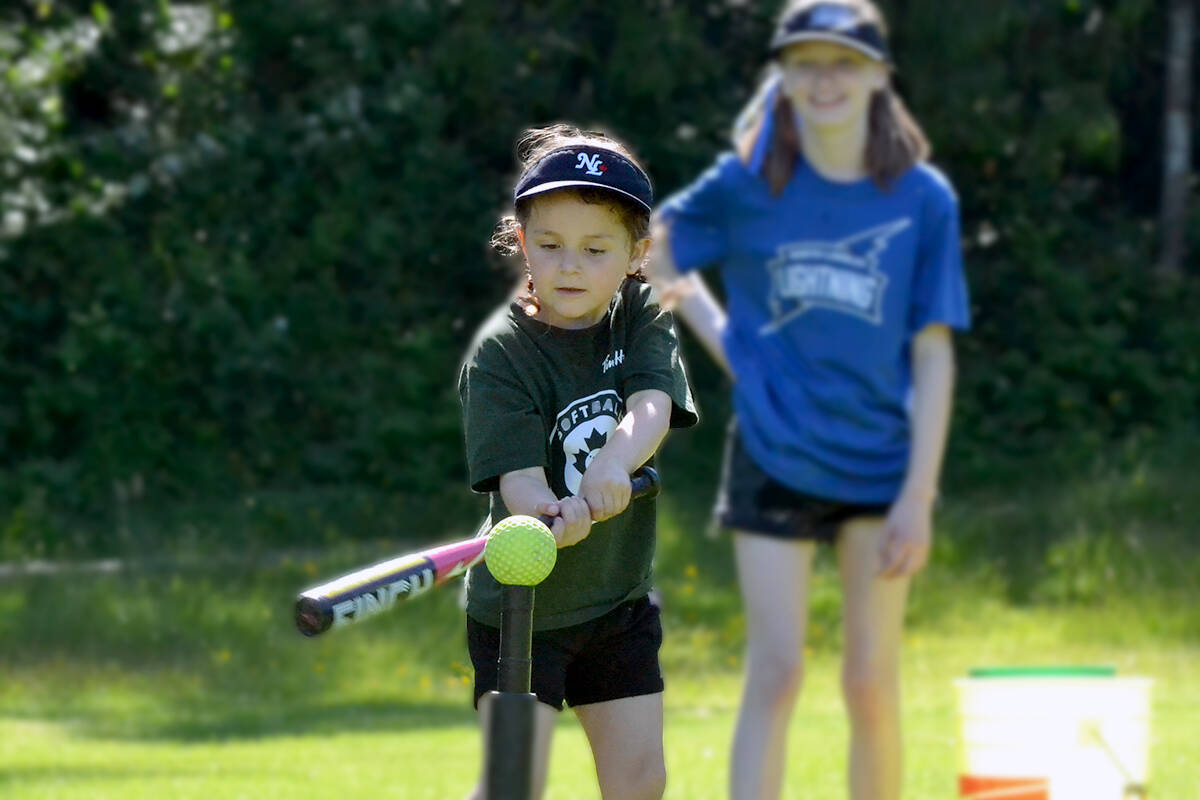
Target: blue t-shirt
(826, 284)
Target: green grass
(398, 746)
(158, 682)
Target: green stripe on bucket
(1094, 671)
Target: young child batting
(838, 247)
(566, 390)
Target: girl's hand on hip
(907, 536)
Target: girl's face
(578, 254)
(830, 86)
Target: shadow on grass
(59, 774)
(215, 654)
(195, 725)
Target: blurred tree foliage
(244, 241)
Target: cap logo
(832, 17)
(598, 167)
(591, 164)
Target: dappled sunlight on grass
(203, 654)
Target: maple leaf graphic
(594, 442)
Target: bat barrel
(380, 586)
(362, 593)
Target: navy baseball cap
(832, 22)
(585, 165)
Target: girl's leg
(774, 577)
(543, 730)
(626, 736)
(874, 618)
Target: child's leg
(543, 721)
(774, 577)
(626, 736)
(874, 619)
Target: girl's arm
(605, 485)
(909, 522)
(688, 296)
(909, 533)
(605, 490)
(525, 491)
(933, 390)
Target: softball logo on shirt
(841, 276)
(582, 428)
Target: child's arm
(909, 522)
(605, 485)
(687, 295)
(525, 491)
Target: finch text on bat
(383, 598)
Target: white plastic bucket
(1062, 733)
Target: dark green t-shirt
(536, 395)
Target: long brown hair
(895, 141)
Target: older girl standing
(838, 248)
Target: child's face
(830, 86)
(578, 255)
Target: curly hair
(533, 145)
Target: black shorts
(607, 658)
(751, 500)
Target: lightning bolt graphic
(878, 236)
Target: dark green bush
(248, 246)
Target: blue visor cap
(834, 23)
(579, 165)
